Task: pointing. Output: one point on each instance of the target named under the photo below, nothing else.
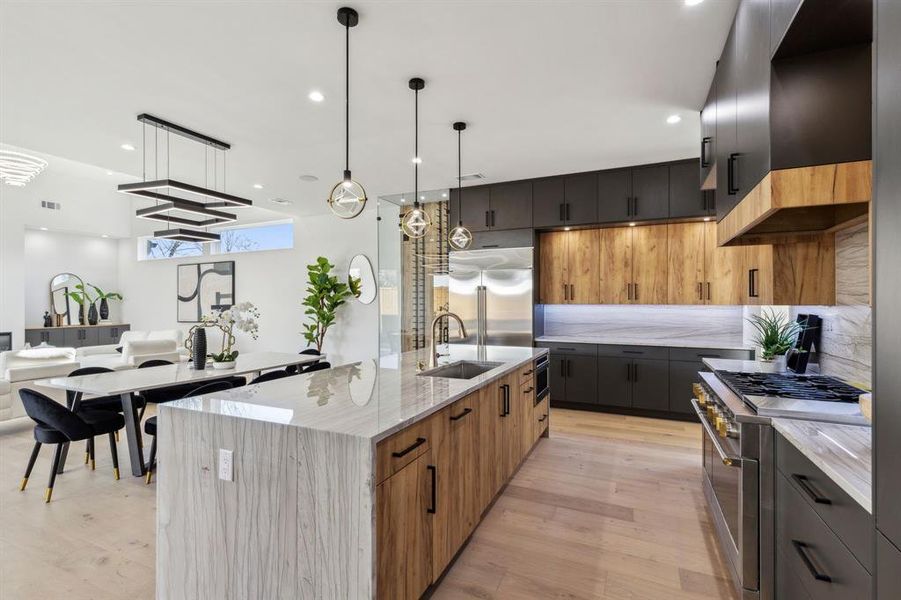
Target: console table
(76, 336)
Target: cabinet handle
(804, 483)
(529, 372)
(633, 351)
(569, 368)
(562, 214)
(629, 291)
(635, 206)
(705, 162)
(634, 372)
(483, 246)
(636, 290)
(487, 219)
(752, 283)
(567, 211)
(731, 188)
(528, 390)
(628, 371)
(465, 412)
(434, 504)
(541, 420)
(572, 292)
(506, 399)
(419, 442)
(708, 290)
(700, 291)
(562, 368)
(801, 549)
(565, 292)
(492, 217)
(628, 206)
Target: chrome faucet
(434, 356)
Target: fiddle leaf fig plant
(325, 294)
(776, 333)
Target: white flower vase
(224, 365)
(775, 365)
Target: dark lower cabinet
(76, 337)
(576, 376)
(614, 196)
(650, 192)
(110, 335)
(682, 375)
(650, 384)
(557, 377)
(614, 381)
(53, 337)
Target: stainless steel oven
(542, 381)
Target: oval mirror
(360, 270)
(60, 286)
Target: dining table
(126, 383)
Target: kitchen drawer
(402, 448)
(696, 354)
(658, 352)
(848, 519)
(807, 549)
(564, 348)
(526, 374)
(511, 238)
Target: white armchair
(134, 348)
(20, 368)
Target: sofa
(135, 348)
(20, 368)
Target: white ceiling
(546, 86)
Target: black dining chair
(293, 369)
(320, 366)
(56, 424)
(150, 424)
(270, 376)
(154, 362)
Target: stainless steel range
(735, 409)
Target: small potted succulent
(243, 317)
(776, 335)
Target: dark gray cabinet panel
(76, 337)
(614, 384)
(888, 569)
(511, 238)
(34, 338)
(110, 334)
(726, 140)
(685, 196)
(708, 132)
(557, 376)
(566, 348)
(614, 196)
(650, 384)
(659, 352)
(580, 193)
(581, 379)
(650, 193)
(474, 208)
(781, 14)
(753, 77)
(699, 354)
(511, 205)
(682, 374)
(547, 202)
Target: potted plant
(83, 298)
(104, 298)
(776, 334)
(243, 317)
(325, 294)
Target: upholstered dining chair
(56, 424)
(320, 366)
(294, 369)
(270, 376)
(150, 424)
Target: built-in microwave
(542, 382)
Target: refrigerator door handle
(482, 332)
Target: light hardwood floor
(608, 507)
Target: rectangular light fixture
(187, 235)
(147, 189)
(163, 212)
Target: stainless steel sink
(462, 369)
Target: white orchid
(243, 317)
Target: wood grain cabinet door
(615, 265)
(685, 282)
(491, 442)
(582, 268)
(404, 530)
(649, 264)
(725, 280)
(552, 268)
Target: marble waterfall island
(360, 481)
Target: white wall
(274, 281)
(94, 259)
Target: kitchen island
(360, 481)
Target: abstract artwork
(203, 288)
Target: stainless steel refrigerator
(491, 290)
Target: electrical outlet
(226, 467)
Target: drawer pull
(801, 549)
(527, 373)
(465, 412)
(567, 349)
(633, 352)
(419, 442)
(434, 505)
(528, 390)
(541, 420)
(808, 489)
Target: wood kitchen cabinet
(724, 281)
(801, 273)
(615, 265)
(649, 264)
(686, 274)
(552, 256)
(569, 267)
(492, 437)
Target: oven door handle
(728, 459)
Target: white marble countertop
(749, 366)
(843, 452)
(370, 399)
(669, 342)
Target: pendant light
(459, 238)
(416, 223)
(348, 197)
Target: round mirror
(360, 271)
(60, 286)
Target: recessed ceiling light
(109, 172)
(309, 178)
(258, 186)
(42, 228)
(316, 96)
(692, 2)
(673, 119)
(104, 235)
(444, 195)
(281, 201)
(417, 160)
(128, 147)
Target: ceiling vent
(473, 177)
(51, 205)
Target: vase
(199, 347)
(104, 310)
(230, 364)
(81, 315)
(92, 314)
(774, 365)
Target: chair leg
(57, 456)
(141, 413)
(93, 463)
(152, 463)
(87, 451)
(34, 457)
(117, 435)
(114, 452)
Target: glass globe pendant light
(416, 222)
(348, 197)
(459, 237)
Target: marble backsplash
(631, 323)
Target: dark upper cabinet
(708, 137)
(752, 66)
(614, 381)
(650, 384)
(726, 139)
(685, 196)
(614, 195)
(650, 193)
(547, 202)
(580, 193)
(511, 205)
(475, 208)
(781, 14)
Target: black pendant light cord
(347, 98)
(416, 150)
(459, 179)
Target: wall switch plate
(226, 468)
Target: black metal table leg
(133, 435)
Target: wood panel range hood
(800, 202)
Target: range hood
(793, 203)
